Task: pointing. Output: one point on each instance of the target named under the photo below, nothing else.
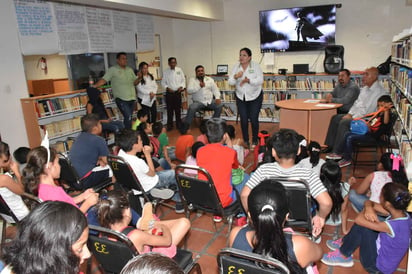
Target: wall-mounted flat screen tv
(297, 29)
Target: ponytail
(36, 162)
(111, 206)
(314, 152)
(331, 177)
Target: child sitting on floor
(191, 160)
(313, 161)
(331, 177)
(184, 144)
(382, 244)
(142, 116)
(389, 169)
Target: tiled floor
(205, 242)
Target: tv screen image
(297, 29)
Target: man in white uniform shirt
(205, 95)
(174, 82)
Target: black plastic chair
(376, 146)
(126, 178)
(113, 250)
(232, 260)
(198, 194)
(69, 176)
(28, 199)
(300, 204)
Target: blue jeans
(337, 130)
(351, 138)
(113, 126)
(166, 180)
(249, 110)
(196, 106)
(126, 108)
(357, 200)
(365, 239)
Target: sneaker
(164, 193)
(334, 244)
(343, 163)
(179, 208)
(335, 258)
(217, 219)
(333, 156)
(146, 221)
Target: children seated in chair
(153, 235)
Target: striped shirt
(271, 170)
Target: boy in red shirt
(219, 160)
(184, 144)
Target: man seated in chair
(157, 183)
(89, 152)
(203, 89)
(366, 103)
(285, 147)
(219, 160)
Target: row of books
(301, 85)
(63, 146)
(48, 107)
(267, 113)
(403, 76)
(60, 128)
(402, 49)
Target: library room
(108, 111)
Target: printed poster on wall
(72, 28)
(37, 29)
(100, 28)
(124, 31)
(145, 33)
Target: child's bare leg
(178, 228)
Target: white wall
(56, 67)
(12, 79)
(364, 27)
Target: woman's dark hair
(268, 207)
(314, 153)
(141, 65)
(331, 177)
(195, 148)
(94, 96)
(247, 50)
(111, 206)
(398, 176)
(36, 162)
(44, 240)
(397, 195)
(154, 263)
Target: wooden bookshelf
(401, 93)
(59, 114)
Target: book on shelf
(60, 128)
